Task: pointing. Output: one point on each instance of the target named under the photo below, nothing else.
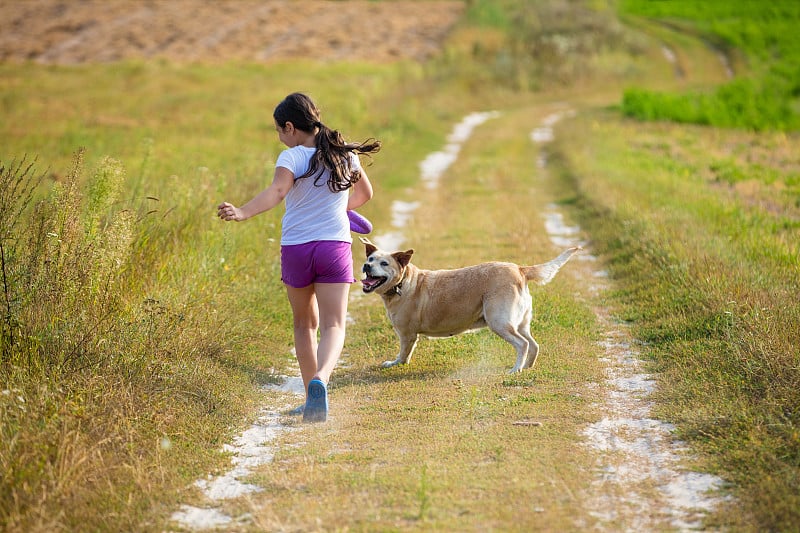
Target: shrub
(740, 104)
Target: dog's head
(383, 270)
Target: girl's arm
(362, 192)
(265, 200)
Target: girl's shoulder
(302, 149)
(296, 154)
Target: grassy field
(708, 276)
(709, 262)
(137, 327)
(760, 39)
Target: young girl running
(314, 175)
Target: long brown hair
(333, 153)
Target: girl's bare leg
(306, 322)
(332, 301)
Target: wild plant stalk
(7, 346)
(60, 282)
(423, 494)
(18, 183)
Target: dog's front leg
(407, 343)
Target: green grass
(708, 276)
(749, 104)
(765, 98)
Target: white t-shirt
(313, 212)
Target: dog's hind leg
(510, 334)
(533, 346)
(524, 329)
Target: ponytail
(333, 153)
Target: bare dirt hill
(71, 32)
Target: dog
(442, 303)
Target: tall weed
(18, 184)
(93, 371)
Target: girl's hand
(227, 212)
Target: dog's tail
(544, 273)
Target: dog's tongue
(370, 283)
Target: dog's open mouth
(371, 283)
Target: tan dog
(442, 303)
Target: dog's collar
(396, 290)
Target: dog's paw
(389, 364)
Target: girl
(313, 174)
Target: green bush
(743, 103)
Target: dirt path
(255, 446)
(641, 483)
(96, 31)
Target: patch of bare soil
(96, 31)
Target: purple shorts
(316, 262)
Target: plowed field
(71, 32)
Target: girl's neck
(309, 141)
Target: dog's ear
(404, 258)
(371, 248)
